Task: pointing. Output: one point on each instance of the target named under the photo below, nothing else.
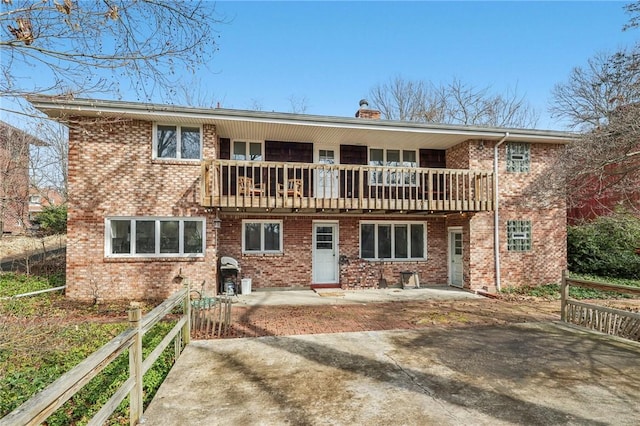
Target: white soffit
(257, 125)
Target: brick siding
(112, 173)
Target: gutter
(496, 211)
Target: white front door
(325, 253)
(327, 179)
(455, 257)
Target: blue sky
(333, 53)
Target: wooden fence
(211, 317)
(37, 409)
(615, 322)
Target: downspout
(496, 212)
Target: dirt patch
(292, 320)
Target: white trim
(178, 142)
(157, 219)
(262, 250)
(393, 223)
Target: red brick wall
(293, 268)
(127, 182)
(519, 200)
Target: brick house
(157, 192)
(14, 178)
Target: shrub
(606, 247)
(52, 220)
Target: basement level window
(154, 237)
(393, 240)
(519, 235)
(518, 157)
(177, 142)
(261, 236)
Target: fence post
(564, 295)
(135, 365)
(186, 328)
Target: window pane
(192, 236)
(376, 157)
(239, 151)
(255, 151)
(167, 141)
(367, 241)
(401, 242)
(145, 236)
(409, 159)
(417, 241)
(384, 241)
(169, 236)
(272, 237)
(120, 236)
(252, 236)
(393, 157)
(190, 142)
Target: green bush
(606, 247)
(52, 220)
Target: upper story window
(392, 240)
(519, 235)
(155, 237)
(392, 158)
(247, 151)
(35, 199)
(177, 142)
(518, 157)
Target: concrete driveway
(538, 373)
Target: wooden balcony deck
(307, 187)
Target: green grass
(552, 291)
(44, 336)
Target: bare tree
(80, 47)
(48, 163)
(452, 103)
(604, 165)
(299, 104)
(594, 92)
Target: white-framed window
(393, 240)
(519, 235)
(177, 142)
(262, 236)
(35, 199)
(518, 157)
(155, 237)
(392, 158)
(247, 151)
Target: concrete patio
(539, 373)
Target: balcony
(307, 187)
